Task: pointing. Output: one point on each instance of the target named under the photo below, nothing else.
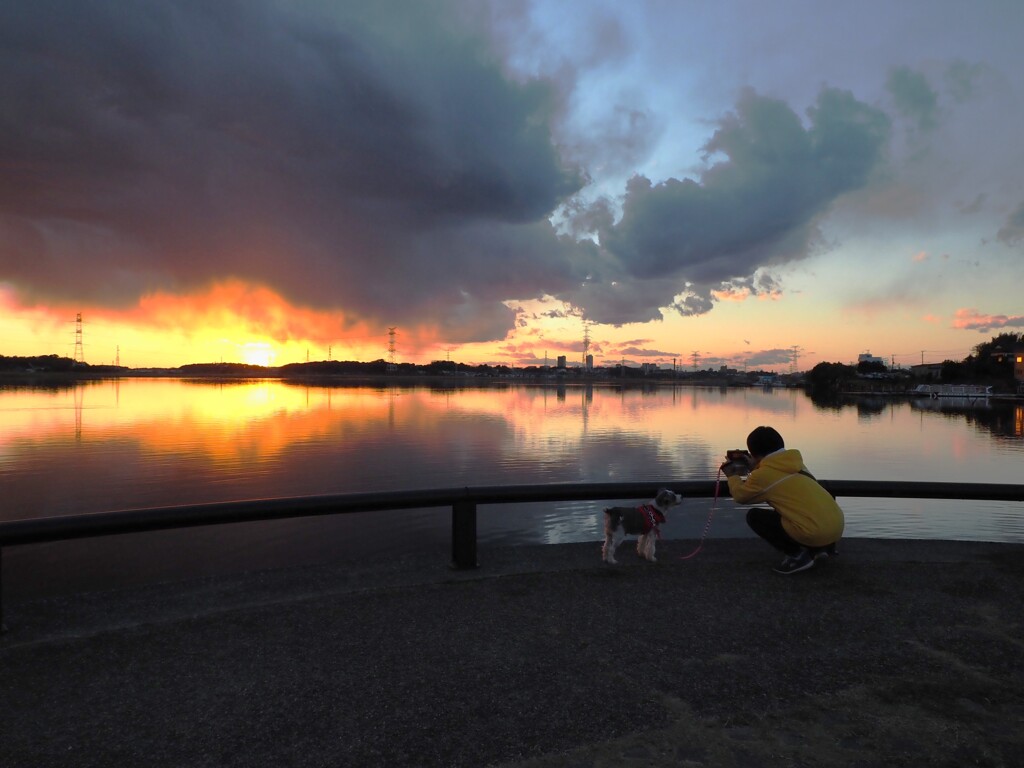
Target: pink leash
(707, 525)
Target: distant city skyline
(740, 183)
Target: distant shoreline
(575, 380)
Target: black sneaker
(826, 552)
(801, 561)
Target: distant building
(561, 362)
(590, 362)
(867, 357)
(649, 368)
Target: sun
(258, 353)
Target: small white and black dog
(643, 521)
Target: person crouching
(802, 520)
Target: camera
(740, 460)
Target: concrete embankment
(895, 653)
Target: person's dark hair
(764, 440)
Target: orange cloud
(233, 321)
(732, 294)
(742, 294)
(258, 309)
(971, 319)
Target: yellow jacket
(809, 513)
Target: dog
(643, 521)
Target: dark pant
(767, 523)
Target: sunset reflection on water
(245, 439)
(139, 443)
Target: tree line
(991, 363)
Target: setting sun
(258, 353)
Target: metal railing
(463, 502)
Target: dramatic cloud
(380, 163)
(349, 156)
(679, 240)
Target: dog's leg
(616, 539)
(608, 550)
(645, 547)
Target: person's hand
(731, 468)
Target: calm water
(156, 442)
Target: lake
(132, 443)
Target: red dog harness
(650, 518)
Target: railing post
(464, 535)
(3, 627)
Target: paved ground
(896, 653)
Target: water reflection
(154, 442)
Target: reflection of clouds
(158, 442)
(155, 443)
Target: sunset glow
(655, 182)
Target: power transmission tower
(794, 358)
(586, 341)
(696, 359)
(79, 351)
(391, 348)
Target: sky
(739, 183)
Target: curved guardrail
(463, 501)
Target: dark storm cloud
(758, 206)
(373, 158)
(311, 147)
